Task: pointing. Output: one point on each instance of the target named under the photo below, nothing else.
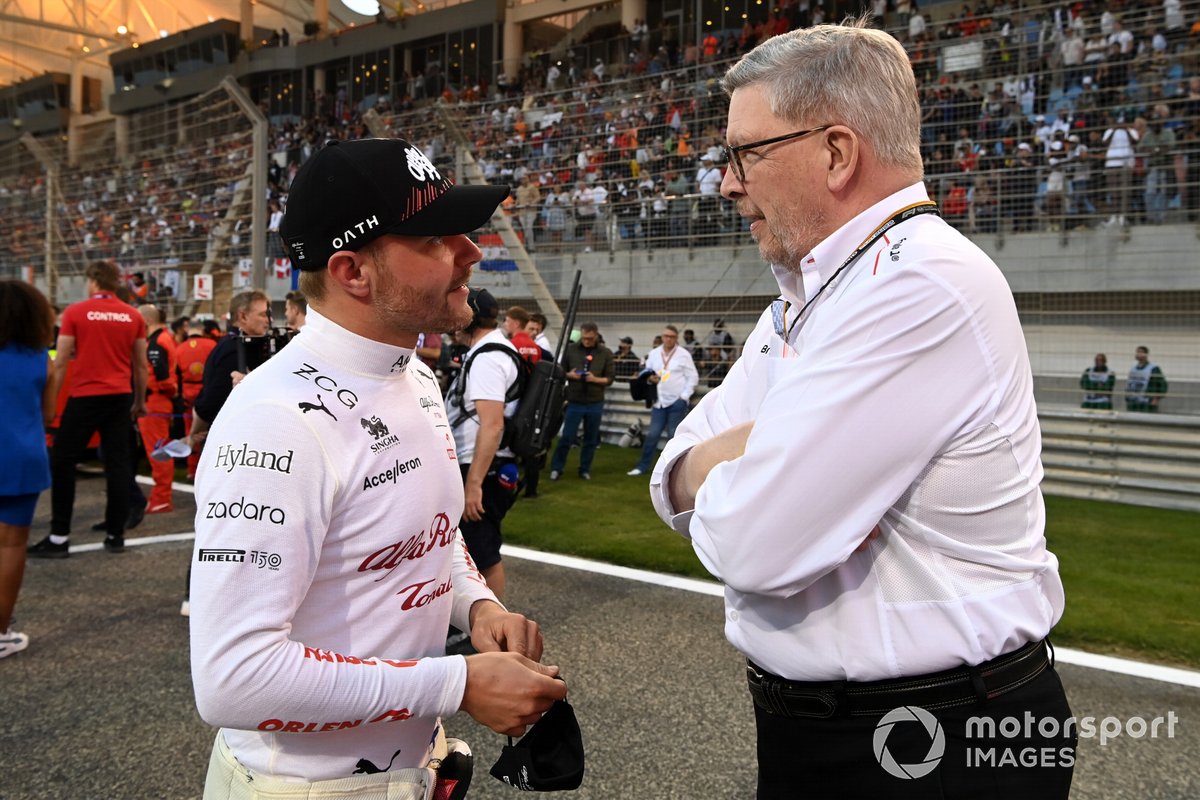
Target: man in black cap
(328, 562)
(625, 361)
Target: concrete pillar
(73, 144)
(246, 28)
(512, 45)
(321, 17)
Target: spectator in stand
(1079, 161)
(719, 337)
(1189, 186)
(1157, 148)
(1055, 204)
(274, 243)
(1146, 386)
(1097, 383)
(108, 385)
(590, 370)
(162, 388)
(689, 343)
(27, 394)
(708, 210)
(191, 357)
(626, 362)
(295, 310)
(982, 206)
(672, 210)
(674, 373)
(528, 205)
(1072, 50)
(1119, 159)
(714, 367)
(1022, 188)
(554, 214)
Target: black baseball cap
(549, 757)
(483, 305)
(350, 193)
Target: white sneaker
(635, 471)
(12, 642)
(185, 608)
(554, 474)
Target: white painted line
(1077, 658)
(1123, 666)
(628, 573)
(176, 485)
(92, 547)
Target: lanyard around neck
(908, 212)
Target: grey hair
(845, 74)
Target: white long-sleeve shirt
(327, 562)
(903, 397)
(676, 372)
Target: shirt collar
(357, 353)
(820, 264)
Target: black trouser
(841, 757)
(83, 416)
(533, 469)
(483, 537)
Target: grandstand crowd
(1063, 116)
(1068, 115)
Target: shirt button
(733, 616)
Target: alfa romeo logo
(937, 743)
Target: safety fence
(1142, 459)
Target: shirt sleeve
(490, 376)
(690, 376)
(839, 438)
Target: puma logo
(318, 406)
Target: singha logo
(375, 427)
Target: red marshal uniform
(161, 389)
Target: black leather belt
(946, 689)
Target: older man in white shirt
(889, 386)
(673, 372)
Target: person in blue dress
(27, 394)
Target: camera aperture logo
(937, 742)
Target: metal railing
(1115, 456)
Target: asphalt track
(100, 705)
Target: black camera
(253, 351)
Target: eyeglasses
(733, 154)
